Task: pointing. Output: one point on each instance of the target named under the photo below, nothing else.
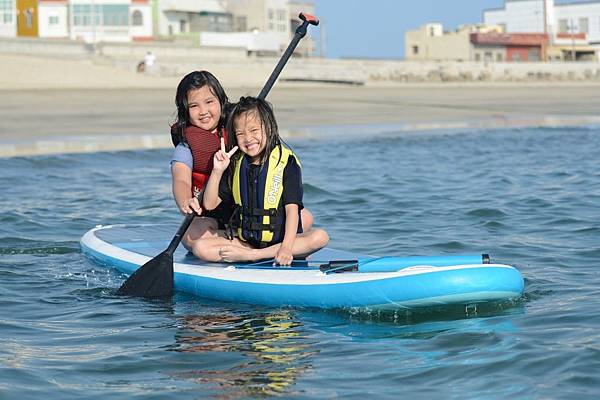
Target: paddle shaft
(189, 218)
(300, 33)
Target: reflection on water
(274, 352)
(265, 353)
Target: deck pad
(151, 240)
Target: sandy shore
(100, 108)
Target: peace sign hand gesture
(221, 158)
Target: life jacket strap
(259, 212)
(257, 226)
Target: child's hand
(284, 256)
(191, 205)
(222, 157)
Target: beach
(77, 106)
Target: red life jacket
(203, 145)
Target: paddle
(155, 278)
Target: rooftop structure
(573, 29)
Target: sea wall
(239, 68)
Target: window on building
(477, 57)
(488, 56)
(101, 14)
(271, 26)
(6, 11)
(53, 20)
(271, 14)
(137, 18)
(583, 25)
(182, 26)
(499, 57)
(563, 26)
(281, 15)
(115, 14)
(415, 50)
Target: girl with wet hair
(264, 185)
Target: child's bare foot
(235, 253)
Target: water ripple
(528, 196)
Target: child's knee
(201, 250)
(320, 238)
(307, 220)
(187, 242)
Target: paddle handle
(300, 33)
(180, 232)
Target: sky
(375, 28)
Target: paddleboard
(328, 279)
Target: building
(509, 47)
(260, 26)
(90, 21)
(573, 29)
(182, 17)
(431, 43)
(479, 42)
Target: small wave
(494, 225)
(315, 190)
(588, 230)
(16, 246)
(487, 213)
(449, 246)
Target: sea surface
(530, 197)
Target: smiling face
(204, 108)
(250, 135)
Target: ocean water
(530, 197)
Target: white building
(571, 27)
(261, 26)
(86, 20)
(110, 20)
(180, 17)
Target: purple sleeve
(183, 154)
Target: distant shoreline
(56, 121)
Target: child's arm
(182, 183)
(284, 254)
(211, 197)
(220, 164)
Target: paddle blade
(153, 279)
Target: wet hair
(265, 112)
(195, 80)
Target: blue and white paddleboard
(329, 279)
